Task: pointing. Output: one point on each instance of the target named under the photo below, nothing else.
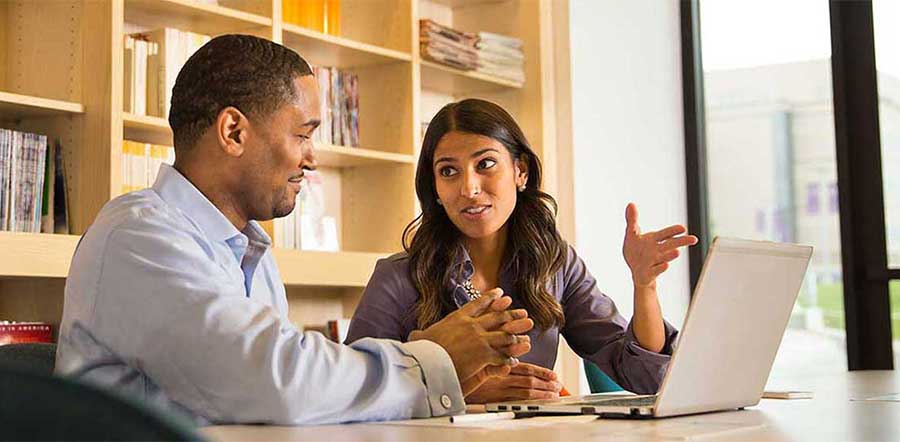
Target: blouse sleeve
(386, 307)
(597, 332)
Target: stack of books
(23, 172)
(501, 56)
(152, 61)
(444, 45)
(339, 101)
(25, 332)
(307, 227)
(141, 163)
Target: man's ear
(231, 131)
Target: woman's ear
(521, 174)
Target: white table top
(830, 415)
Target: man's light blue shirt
(168, 302)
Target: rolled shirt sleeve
(597, 332)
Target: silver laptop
(731, 334)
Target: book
(25, 332)
(787, 395)
(128, 75)
(141, 163)
(60, 193)
(168, 49)
(22, 171)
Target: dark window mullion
(694, 135)
(860, 186)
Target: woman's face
(476, 181)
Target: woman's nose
(471, 185)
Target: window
(887, 58)
(770, 154)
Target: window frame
(866, 275)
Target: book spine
(25, 333)
(40, 175)
(5, 144)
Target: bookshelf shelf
(341, 156)
(328, 50)
(147, 129)
(193, 16)
(41, 255)
(465, 3)
(456, 82)
(15, 106)
(155, 130)
(36, 255)
(325, 269)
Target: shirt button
(446, 402)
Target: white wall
(628, 142)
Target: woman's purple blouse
(593, 326)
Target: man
(173, 296)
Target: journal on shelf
(32, 179)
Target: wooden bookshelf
(49, 256)
(457, 82)
(155, 130)
(36, 255)
(17, 107)
(193, 16)
(341, 156)
(146, 129)
(328, 50)
(65, 80)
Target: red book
(25, 332)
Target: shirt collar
(177, 191)
(466, 268)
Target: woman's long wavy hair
(535, 251)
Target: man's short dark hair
(250, 73)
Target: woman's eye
(486, 163)
(447, 172)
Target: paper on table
(514, 424)
(893, 397)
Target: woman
(485, 223)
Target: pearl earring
(522, 188)
(439, 202)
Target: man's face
(280, 149)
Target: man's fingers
(493, 320)
(526, 369)
(500, 304)
(519, 349)
(518, 326)
(528, 394)
(532, 383)
(500, 339)
(477, 306)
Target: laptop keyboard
(638, 401)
